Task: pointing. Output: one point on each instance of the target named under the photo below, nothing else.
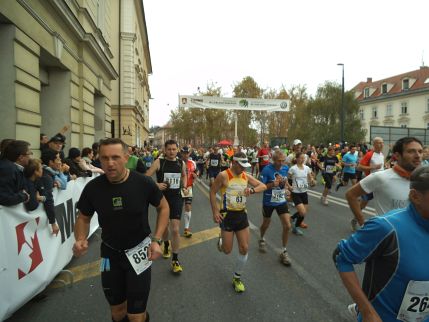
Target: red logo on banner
(29, 252)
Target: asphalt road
(309, 290)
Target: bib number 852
(141, 255)
(422, 304)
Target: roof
(420, 75)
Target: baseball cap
(276, 147)
(296, 142)
(244, 162)
(185, 149)
(58, 138)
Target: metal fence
(392, 134)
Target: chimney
(369, 79)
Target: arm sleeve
(84, 204)
(8, 196)
(32, 203)
(48, 204)
(361, 245)
(369, 183)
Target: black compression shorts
(301, 197)
(234, 221)
(176, 204)
(121, 283)
(267, 211)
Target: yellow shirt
(233, 197)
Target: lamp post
(342, 104)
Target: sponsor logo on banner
(29, 252)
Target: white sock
(284, 249)
(187, 217)
(241, 261)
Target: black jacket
(12, 184)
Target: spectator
(56, 143)
(74, 161)
(3, 145)
(87, 156)
(43, 141)
(35, 185)
(96, 158)
(12, 181)
(52, 166)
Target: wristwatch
(252, 191)
(156, 240)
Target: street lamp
(342, 104)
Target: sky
(278, 42)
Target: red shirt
(264, 156)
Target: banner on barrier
(30, 256)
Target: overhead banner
(30, 256)
(234, 103)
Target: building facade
(56, 69)
(60, 65)
(131, 94)
(397, 101)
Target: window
(384, 89)
(405, 84)
(404, 108)
(361, 115)
(427, 105)
(404, 126)
(427, 126)
(374, 112)
(366, 92)
(389, 110)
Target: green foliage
(312, 119)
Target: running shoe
(187, 233)
(238, 285)
(303, 225)
(284, 258)
(354, 224)
(166, 253)
(219, 243)
(175, 266)
(324, 201)
(262, 246)
(353, 310)
(297, 231)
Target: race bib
(138, 258)
(214, 162)
(330, 169)
(415, 304)
(301, 183)
(278, 196)
(235, 200)
(266, 157)
(173, 179)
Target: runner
(394, 247)
(191, 173)
(301, 177)
(349, 171)
(330, 164)
(254, 162)
(121, 199)
(390, 188)
(275, 178)
(214, 162)
(264, 155)
(232, 216)
(171, 179)
(373, 161)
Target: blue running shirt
(394, 247)
(276, 196)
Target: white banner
(30, 256)
(235, 103)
